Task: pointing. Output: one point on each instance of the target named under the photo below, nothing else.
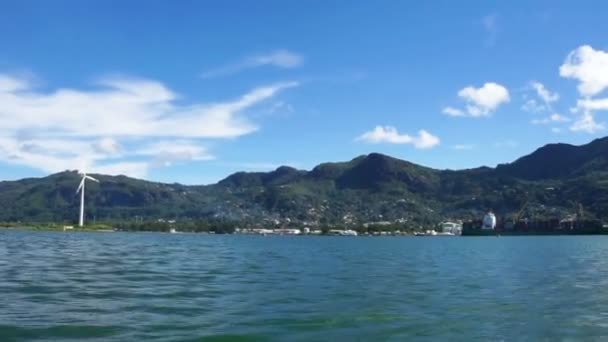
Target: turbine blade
(91, 178)
(80, 186)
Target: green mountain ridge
(552, 182)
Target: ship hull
(480, 232)
(540, 227)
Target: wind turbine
(81, 189)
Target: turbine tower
(81, 189)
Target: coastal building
(451, 227)
(288, 231)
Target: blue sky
(191, 91)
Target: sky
(192, 91)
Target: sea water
(194, 287)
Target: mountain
(281, 175)
(557, 161)
(550, 182)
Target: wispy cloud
(542, 92)
(279, 58)
(169, 152)
(108, 146)
(390, 135)
(532, 106)
(586, 123)
(451, 111)
(480, 102)
(543, 98)
(73, 128)
(551, 119)
(539, 100)
(463, 147)
(490, 25)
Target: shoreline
(58, 229)
(292, 232)
(246, 232)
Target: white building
(451, 227)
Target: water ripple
(163, 287)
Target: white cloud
(544, 93)
(86, 128)
(279, 58)
(451, 111)
(127, 108)
(556, 130)
(46, 155)
(55, 155)
(545, 96)
(168, 152)
(589, 67)
(192, 148)
(108, 146)
(481, 101)
(553, 118)
(55, 146)
(532, 106)
(9, 84)
(586, 123)
(389, 134)
(593, 104)
(487, 98)
(425, 140)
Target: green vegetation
(369, 192)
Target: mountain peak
(557, 160)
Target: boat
(432, 232)
(346, 232)
(350, 232)
(551, 226)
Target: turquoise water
(181, 287)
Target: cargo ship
(571, 226)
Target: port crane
(523, 208)
(511, 224)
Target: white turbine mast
(81, 189)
